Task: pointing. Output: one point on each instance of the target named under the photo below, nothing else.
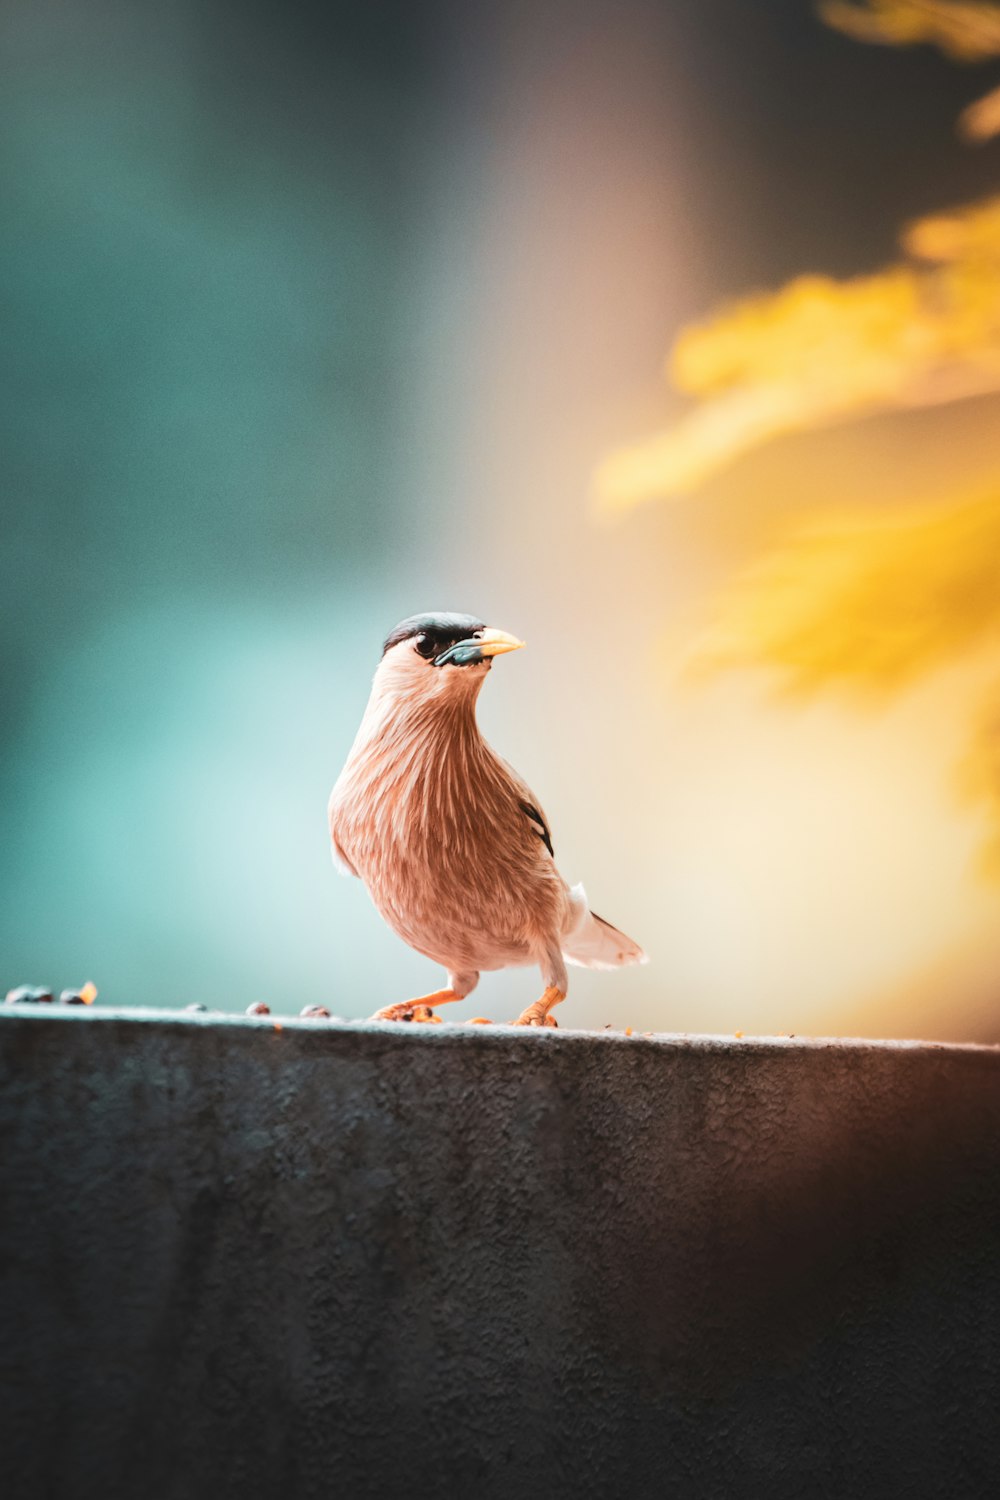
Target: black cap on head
(440, 630)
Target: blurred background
(666, 336)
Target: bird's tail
(593, 943)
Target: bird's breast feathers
(453, 855)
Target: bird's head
(440, 655)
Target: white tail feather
(592, 943)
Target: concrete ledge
(353, 1260)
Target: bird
(451, 843)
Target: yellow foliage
(820, 351)
(981, 121)
(867, 605)
(963, 31)
(859, 328)
(862, 605)
(966, 236)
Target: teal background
(204, 246)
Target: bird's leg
(553, 969)
(538, 1013)
(461, 982)
(420, 1009)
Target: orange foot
(538, 1013)
(420, 1009)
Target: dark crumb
(71, 997)
(196, 1005)
(258, 1008)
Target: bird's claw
(407, 1011)
(423, 1013)
(537, 1014)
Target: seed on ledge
(258, 1008)
(71, 997)
(28, 993)
(196, 1005)
(315, 1010)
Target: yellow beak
(496, 642)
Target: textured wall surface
(339, 1260)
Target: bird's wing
(538, 823)
(528, 803)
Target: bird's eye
(425, 646)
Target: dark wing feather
(541, 827)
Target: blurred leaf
(962, 31)
(866, 605)
(857, 605)
(820, 351)
(981, 121)
(869, 607)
